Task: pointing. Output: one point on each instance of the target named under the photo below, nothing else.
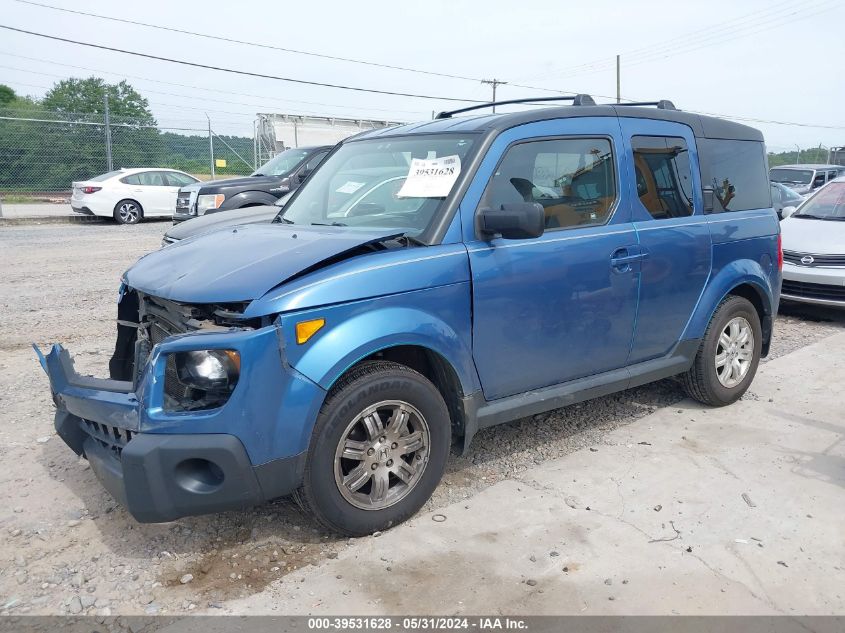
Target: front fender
(247, 198)
(732, 275)
(437, 319)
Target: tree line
(47, 143)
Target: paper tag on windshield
(431, 178)
(349, 187)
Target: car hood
(243, 263)
(247, 181)
(820, 237)
(221, 220)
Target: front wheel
(378, 450)
(728, 356)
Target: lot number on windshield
(431, 178)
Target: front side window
(282, 164)
(663, 175)
(573, 179)
(736, 173)
(175, 179)
(362, 184)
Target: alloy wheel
(734, 352)
(128, 213)
(382, 455)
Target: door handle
(621, 259)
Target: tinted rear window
(737, 172)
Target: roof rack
(663, 104)
(578, 100)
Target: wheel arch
(431, 364)
(744, 279)
(248, 199)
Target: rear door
(562, 306)
(667, 214)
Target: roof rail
(577, 100)
(663, 104)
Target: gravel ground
(66, 547)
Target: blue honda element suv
(428, 281)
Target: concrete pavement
(739, 511)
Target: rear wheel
(728, 356)
(128, 212)
(378, 450)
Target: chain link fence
(42, 152)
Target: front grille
(111, 437)
(813, 291)
(794, 257)
(183, 200)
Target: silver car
(814, 248)
(805, 179)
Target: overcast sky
(769, 60)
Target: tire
(725, 366)
(392, 392)
(128, 212)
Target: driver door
(562, 306)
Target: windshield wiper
(810, 216)
(281, 218)
(328, 224)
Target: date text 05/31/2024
(417, 623)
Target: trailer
(277, 132)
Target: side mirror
(786, 212)
(708, 193)
(304, 174)
(514, 221)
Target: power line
(219, 38)
(184, 96)
(234, 71)
(192, 87)
(717, 33)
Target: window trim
(611, 212)
(692, 182)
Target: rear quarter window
(737, 172)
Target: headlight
(209, 201)
(209, 370)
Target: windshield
(794, 176)
(282, 163)
(367, 183)
(827, 204)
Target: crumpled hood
(221, 220)
(243, 263)
(821, 237)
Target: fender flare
(351, 341)
(247, 198)
(735, 274)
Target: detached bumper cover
(164, 466)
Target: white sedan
(128, 195)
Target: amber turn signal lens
(306, 329)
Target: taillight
(780, 253)
(90, 189)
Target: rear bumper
(81, 209)
(162, 465)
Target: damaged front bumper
(162, 465)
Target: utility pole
(495, 83)
(618, 80)
(798, 159)
(210, 145)
(109, 162)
